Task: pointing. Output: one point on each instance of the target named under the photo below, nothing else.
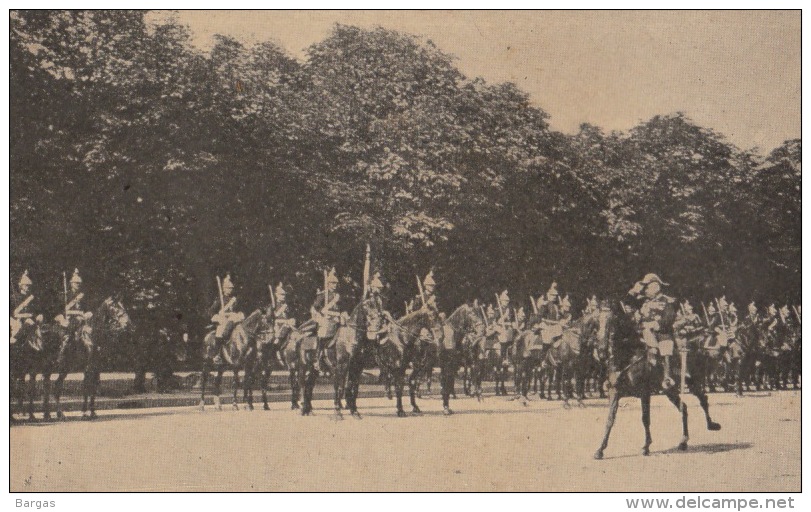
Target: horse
(559, 363)
(632, 372)
(237, 353)
(63, 350)
(410, 342)
(497, 346)
(464, 322)
(26, 358)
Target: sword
(797, 314)
(534, 306)
(367, 263)
(326, 294)
(65, 288)
(272, 299)
(422, 293)
(219, 289)
(706, 316)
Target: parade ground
(493, 445)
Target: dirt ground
(495, 445)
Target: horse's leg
(203, 381)
(613, 405)
(264, 360)
(446, 375)
(235, 403)
(645, 398)
(295, 390)
(705, 406)
(218, 388)
(413, 384)
(674, 397)
(46, 395)
(338, 375)
(60, 382)
(399, 378)
(32, 389)
(94, 388)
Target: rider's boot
(668, 381)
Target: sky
(737, 72)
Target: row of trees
(152, 166)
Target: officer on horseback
(655, 318)
(688, 326)
(429, 290)
(23, 317)
(224, 314)
(76, 313)
(327, 314)
(280, 313)
(374, 304)
(552, 317)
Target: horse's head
(374, 320)
(116, 315)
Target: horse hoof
(401, 414)
(567, 405)
(294, 406)
(60, 415)
(581, 404)
(598, 455)
(446, 411)
(235, 406)
(356, 415)
(713, 426)
(249, 407)
(46, 416)
(417, 411)
(646, 451)
(683, 446)
(338, 415)
(266, 407)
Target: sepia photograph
(405, 251)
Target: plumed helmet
(76, 277)
(280, 291)
(25, 280)
(376, 283)
(332, 277)
(771, 309)
(429, 279)
(688, 308)
(553, 290)
(564, 301)
(652, 278)
(722, 303)
(711, 309)
(784, 311)
(504, 297)
(752, 308)
(731, 308)
(227, 283)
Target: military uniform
(76, 311)
(656, 317)
(283, 321)
(552, 317)
(373, 304)
(224, 314)
(326, 313)
(22, 312)
(687, 327)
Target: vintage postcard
(405, 251)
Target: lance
(797, 314)
(706, 316)
(484, 315)
(219, 289)
(326, 294)
(65, 288)
(422, 294)
(500, 310)
(367, 263)
(534, 306)
(272, 298)
(721, 315)
(407, 310)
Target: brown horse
(65, 350)
(633, 372)
(26, 359)
(412, 342)
(237, 353)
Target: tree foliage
(153, 166)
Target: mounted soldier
(223, 311)
(76, 312)
(327, 314)
(655, 319)
(283, 321)
(23, 311)
(429, 300)
(552, 317)
(688, 327)
(505, 321)
(374, 304)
